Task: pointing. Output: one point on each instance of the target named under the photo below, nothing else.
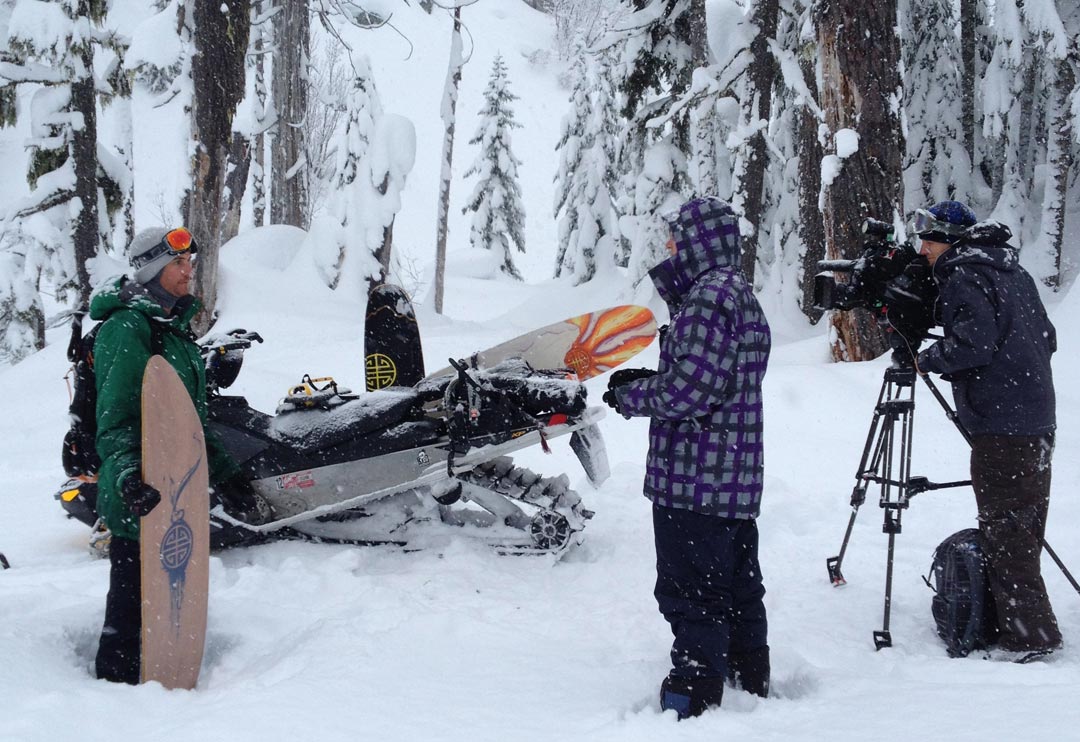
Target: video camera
(888, 277)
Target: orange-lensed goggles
(175, 242)
(179, 241)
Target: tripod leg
(883, 638)
(833, 563)
(1061, 566)
(870, 461)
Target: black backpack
(963, 605)
(80, 457)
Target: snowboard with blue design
(174, 538)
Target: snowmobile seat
(316, 428)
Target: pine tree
(936, 166)
(498, 213)
(655, 194)
(571, 147)
(54, 233)
(586, 177)
(1058, 52)
(784, 227)
(339, 233)
(663, 45)
(659, 44)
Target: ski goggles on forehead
(923, 222)
(175, 242)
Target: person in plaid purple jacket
(705, 465)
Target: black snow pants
(119, 651)
(1011, 478)
(709, 588)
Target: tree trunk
(236, 177)
(860, 57)
(258, 169)
(811, 227)
(969, 23)
(85, 161)
(690, 27)
(217, 70)
(1059, 160)
(759, 108)
(288, 176)
(385, 250)
(449, 107)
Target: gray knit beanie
(145, 242)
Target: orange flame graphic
(607, 339)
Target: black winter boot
(750, 671)
(690, 696)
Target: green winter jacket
(121, 351)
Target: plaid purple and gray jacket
(705, 439)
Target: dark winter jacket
(998, 339)
(705, 439)
(121, 350)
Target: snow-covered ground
(339, 643)
(328, 642)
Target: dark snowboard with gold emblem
(392, 352)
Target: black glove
(139, 496)
(626, 375)
(241, 501)
(662, 332)
(612, 401)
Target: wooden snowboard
(392, 352)
(590, 344)
(174, 539)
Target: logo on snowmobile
(300, 480)
(422, 458)
(380, 371)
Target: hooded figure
(996, 353)
(705, 465)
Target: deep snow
(340, 643)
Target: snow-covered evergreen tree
(498, 212)
(655, 195)
(1058, 53)
(571, 147)
(53, 235)
(658, 44)
(22, 316)
(587, 229)
(781, 242)
(373, 153)
(936, 166)
(337, 234)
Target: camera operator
(996, 354)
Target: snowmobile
(400, 465)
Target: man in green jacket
(148, 313)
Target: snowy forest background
(807, 115)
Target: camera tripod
(886, 461)
(886, 451)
